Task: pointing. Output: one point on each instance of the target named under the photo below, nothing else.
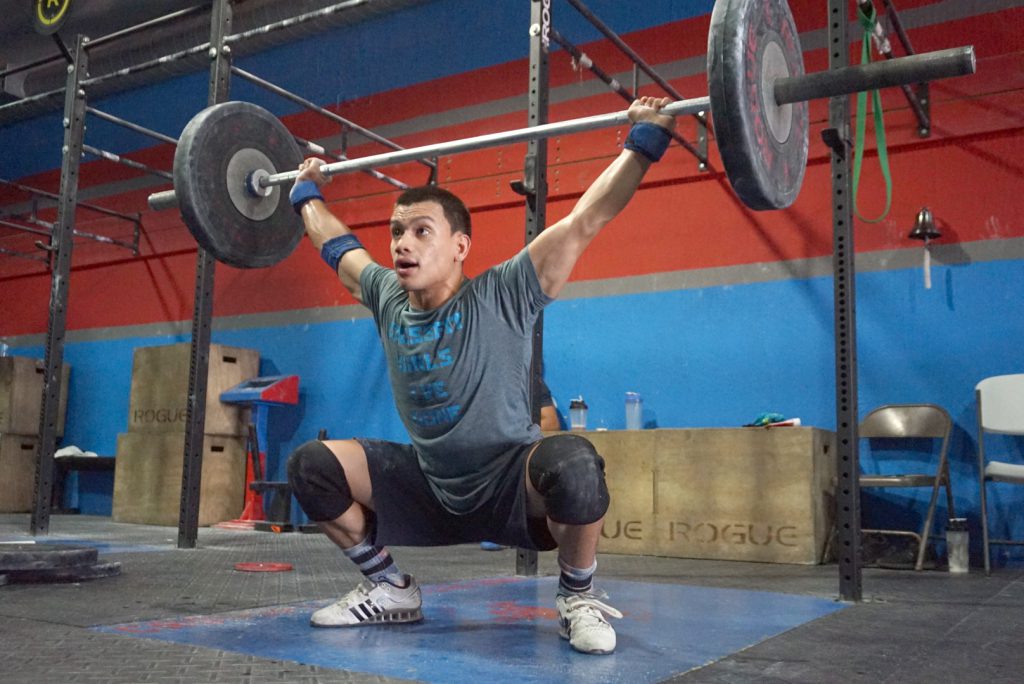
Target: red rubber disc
(263, 567)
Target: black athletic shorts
(408, 514)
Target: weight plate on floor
(763, 145)
(211, 167)
(15, 557)
(77, 573)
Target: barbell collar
(160, 201)
(588, 123)
(928, 66)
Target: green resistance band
(868, 22)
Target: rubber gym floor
(177, 615)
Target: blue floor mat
(482, 630)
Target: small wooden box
(21, 395)
(147, 478)
(159, 394)
(750, 494)
(17, 472)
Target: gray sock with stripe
(575, 580)
(375, 563)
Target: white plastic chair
(1000, 401)
(912, 421)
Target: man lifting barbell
(458, 353)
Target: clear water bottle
(957, 544)
(578, 414)
(634, 411)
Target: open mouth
(404, 266)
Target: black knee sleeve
(569, 473)
(318, 482)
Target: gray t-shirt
(460, 373)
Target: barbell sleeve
(159, 201)
(928, 66)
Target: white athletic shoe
(581, 620)
(373, 603)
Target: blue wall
(699, 357)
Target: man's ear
(464, 243)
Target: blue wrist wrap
(336, 247)
(302, 192)
(648, 139)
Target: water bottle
(578, 414)
(957, 544)
(634, 411)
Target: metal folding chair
(912, 421)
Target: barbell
(229, 160)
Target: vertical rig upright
(535, 188)
(62, 239)
(202, 312)
(844, 292)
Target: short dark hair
(454, 209)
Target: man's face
(424, 250)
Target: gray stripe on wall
(320, 314)
(797, 269)
(275, 319)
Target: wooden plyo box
(750, 494)
(17, 472)
(159, 394)
(21, 395)
(147, 478)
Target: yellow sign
(50, 14)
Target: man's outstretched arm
(555, 251)
(324, 228)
